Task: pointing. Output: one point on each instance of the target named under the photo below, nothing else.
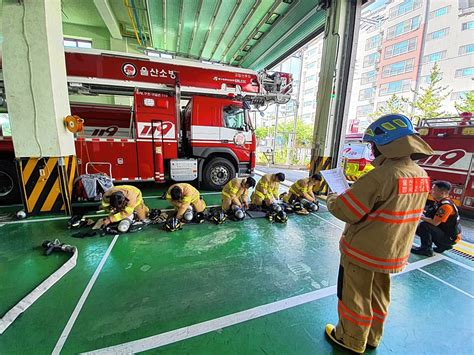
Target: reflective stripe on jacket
(382, 210)
(133, 196)
(267, 188)
(235, 191)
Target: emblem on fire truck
(129, 70)
(239, 139)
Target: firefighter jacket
(446, 212)
(235, 191)
(134, 199)
(382, 209)
(267, 188)
(303, 188)
(191, 196)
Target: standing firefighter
(266, 191)
(123, 201)
(235, 195)
(186, 199)
(382, 210)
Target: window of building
(467, 49)
(464, 72)
(466, 6)
(437, 34)
(459, 95)
(77, 43)
(307, 103)
(467, 26)
(234, 117)
(404, 66)
(369, 77)
(402, 47)
(425, 79)
(364, 110)
(311, 51)
(434, 57)
(306, 116)
(311, 77)
(309, 91)
(395, 87)
(404, 7)
(439, 12)
(310, 65)
(5, 129)
(371, 59)
(373, 42)
(366, 94)
(403, 27)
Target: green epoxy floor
(155, 282)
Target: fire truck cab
(452, 140)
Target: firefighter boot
(427, 251)
(331, 334)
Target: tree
(395, 104)
(262, 132)
(467, 103)
(430, 99)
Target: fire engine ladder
(270, 156)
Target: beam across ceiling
(105, 11)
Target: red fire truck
(452, 140)
(209, 138)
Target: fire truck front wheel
(9, 189)
(217, 172)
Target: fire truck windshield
(235, 118)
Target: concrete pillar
(34, 72)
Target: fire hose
(49, 247)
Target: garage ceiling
(246, 33)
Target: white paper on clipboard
(336, 180)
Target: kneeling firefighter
(187, 201)
(123, 202)
(266, 191)
(302, 191)
(381, 211)
(235, 196)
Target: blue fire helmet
(388, 128)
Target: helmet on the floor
(218, 216)
(281, 217)
(388, 128)
(173, 224)
(199, 217)
(239, 214)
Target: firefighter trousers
(142, 211)
(363, 299)
(430, 234)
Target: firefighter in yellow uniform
(381, 211)
(266, 191)
(235, 193)
(123, 201)
(303, 189)
(186, 199)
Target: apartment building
(400, 42)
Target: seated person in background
(440, 222)
(266, 191)
(303, 189)
(235, 193)
(123, 201)
(186, 199)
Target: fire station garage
(136, 214)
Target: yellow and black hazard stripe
(47, 183)
(321, 163)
